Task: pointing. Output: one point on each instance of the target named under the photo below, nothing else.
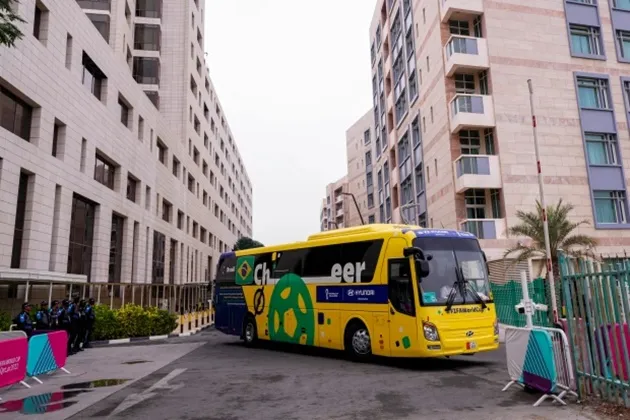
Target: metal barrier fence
(506, 296)
(597, 303)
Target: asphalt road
(223, 380)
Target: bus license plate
(471, 345)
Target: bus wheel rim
(249, 332)
(361, 341)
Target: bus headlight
(496, 327)
(430, 332)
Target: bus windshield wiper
(458, 286)
(472, 291)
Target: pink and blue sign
(13, 353)
(47, 353)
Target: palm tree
(561, 235)
(9, 31)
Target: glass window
(400, 288)
(475, 204)
(159, 248)
(464, 83)
(147, 37)
(149, 8)
(585, 40)
(619, 4)
(20, 216)
(15, 114)
(101, 22)
(593, 93)
(459, 27)
(104, 172)
(146, 70)
(601, 148)
(81, 235)
(116, 249)
(623, 38)
(610, 206)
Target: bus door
(403, 327)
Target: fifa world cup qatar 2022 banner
(13, 352)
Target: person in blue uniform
(90, 318)
(53, 315)
(42, 317)
(23, 320)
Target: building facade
(452, 121)
(360, 155)
(117, 163)
(334, 209)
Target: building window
(101, 23)
(149, 8)
(601, 148)
(175, 167)
(618, 4)
(162, 152)
(610, 207)
(459, 27)
(159, 248)
(475, 204)
(15, 114)
(366, 137)
(39, 22)
(81, 236)
(116, 249)
(20, 216)
(147, 37)
(419, 180)
(154, 97)
(132, 188)
(125, 111)
(623, 38)
(593, 93)
(167, 210)
(104, 172)
(146, 70)
(93, 77)
(585, 40)
(465, 83)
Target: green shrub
(5, 321)
(132, 321)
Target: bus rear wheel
(357, 342)
(250, 332)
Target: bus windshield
(453, 257)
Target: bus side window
(400, 286)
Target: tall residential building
(117, 163)
(453, 128)
(360, 154)
(334, 210)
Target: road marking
(162, 384)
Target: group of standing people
(76, 317)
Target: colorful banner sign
(352, 294)
(13, 353)
(47, 353)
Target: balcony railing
(95, 4)
(485, 228)
(465, 53)
(478, 172)
(474, 111)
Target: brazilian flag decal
(245, 270)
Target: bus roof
(418, 231)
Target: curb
(103, 343)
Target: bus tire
(250, 331)
(357, 342)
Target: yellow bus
(380, 289)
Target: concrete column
(101, 243)
(127, 252)
(61, 230)
(9, 182)
(38, 221)
(167, 262)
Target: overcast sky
(291, 76)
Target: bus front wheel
(250, 332)
(357, 341)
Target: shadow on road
(424, 364)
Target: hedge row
(129, 321)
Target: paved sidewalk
(97, 364)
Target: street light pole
(355, 205)
(552, 282)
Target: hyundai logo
(469, 333)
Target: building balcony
(471, 111)
(485, 228)
(459, 8)
(465, 53)
(339, 212)
(477, 171)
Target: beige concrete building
(360, 152)
(453, 132)
(334, 209)
(117, 163)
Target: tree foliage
(246, 243)
(9, 30)
(561, 234)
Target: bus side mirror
(422, 268)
